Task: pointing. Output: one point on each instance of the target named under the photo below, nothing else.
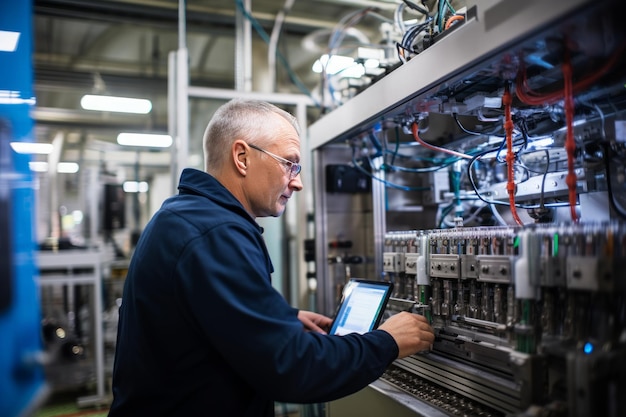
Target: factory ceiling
(122, 47)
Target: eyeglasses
(294, 168)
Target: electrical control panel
(496, 155)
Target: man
(202, 332)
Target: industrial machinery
(485, 177)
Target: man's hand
(411, 332)
(314, 322)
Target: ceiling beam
(162, 13)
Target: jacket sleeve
(225, 284)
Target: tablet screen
(362, 306)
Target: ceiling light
(8, 40)
(62, 167)
(144, 139)
(335, 64)
(38, 166)
(67, 167)
(32, 148)
(355, 71)
(116, 104)
(371, 63)
(344, 66)
(135, 187)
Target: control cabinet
(485, 177)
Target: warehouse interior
(452, 154)
(123, 47)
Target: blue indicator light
(588, 348)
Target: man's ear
(240, 154)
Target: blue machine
(22, 382)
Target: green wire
(555, 245)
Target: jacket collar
(193, 181)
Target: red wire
(528, 96)
(415, 130)
(507, 99)
(453, 19)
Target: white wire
(497, 215)
(398, 18)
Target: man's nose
(296, 183)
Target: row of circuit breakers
(529, 320)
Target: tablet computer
(361, 307)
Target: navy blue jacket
(202, 332)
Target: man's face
(272, 182)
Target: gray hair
(238, 119)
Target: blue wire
(387, 183)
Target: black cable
(502, 203)
(470, 132)
(612, 199)
(524, 128)
(409, 36)
(414, 6)
(386, 183)
(395, 152)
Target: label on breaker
(445, 266)
(410, 263)
(588, 273)
(393, 262)
(495, 268)
(415, 264)
(470, 266)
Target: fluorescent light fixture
(144, 139)
(8, 40)
(116, 104)
(135, 187)
(38, 166)
(67, 167)
(334, 65)
(32, 148)
(355, 71)
(62, 167)
(371, 63)
(339, 64)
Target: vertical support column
(53, 160)
(172, 116)
(98, 333)
(243, 48)
(94, 259)
(182, 112)
(178, 99)
(298, 272)
(380, 224)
